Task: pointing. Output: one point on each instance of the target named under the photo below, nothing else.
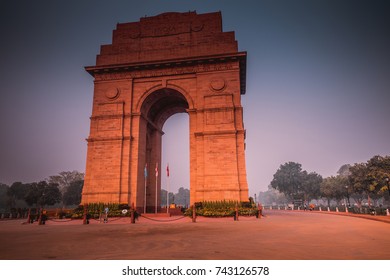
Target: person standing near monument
(106, 215)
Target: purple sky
(318, 83)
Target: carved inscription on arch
(179, 70)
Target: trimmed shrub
(223, 209)
(96, 210)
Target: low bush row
(223, 209)
(96, 210)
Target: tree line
(369, 180)
(181, 198)
(64, 188)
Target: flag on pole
(156, 169)
(167, 170)
(146, 170)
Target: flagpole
(145, 198)
(156, 187)
(168, 189)
(145, 176)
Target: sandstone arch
(163, 65)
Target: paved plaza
(280, 235)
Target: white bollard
(320, 209)
(387, 212)
(346, 209)
(328, 209)
(337, 209)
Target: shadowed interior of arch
(162, 104)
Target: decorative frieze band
(171, 70)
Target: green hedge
(95, 210)
(223, 208)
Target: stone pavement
(281, 235)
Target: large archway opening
(156, 109)
(175, 155)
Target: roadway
(281, 235)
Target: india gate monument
(157, 67)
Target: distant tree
(370, 177)
(15, 192)
(311, 185)
(3, 195)
(296, 183)
(334, 187)
(344, 170)
(51, 195)
(327, 189)
(272, 196)
(288, 179)
(42, 193)
(164, 197)
(33, 194)
(379, 172)
(182, 197)
(359, 182)
(65, 178)
(72, 194)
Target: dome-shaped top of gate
(168, 36)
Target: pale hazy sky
(318, 83)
